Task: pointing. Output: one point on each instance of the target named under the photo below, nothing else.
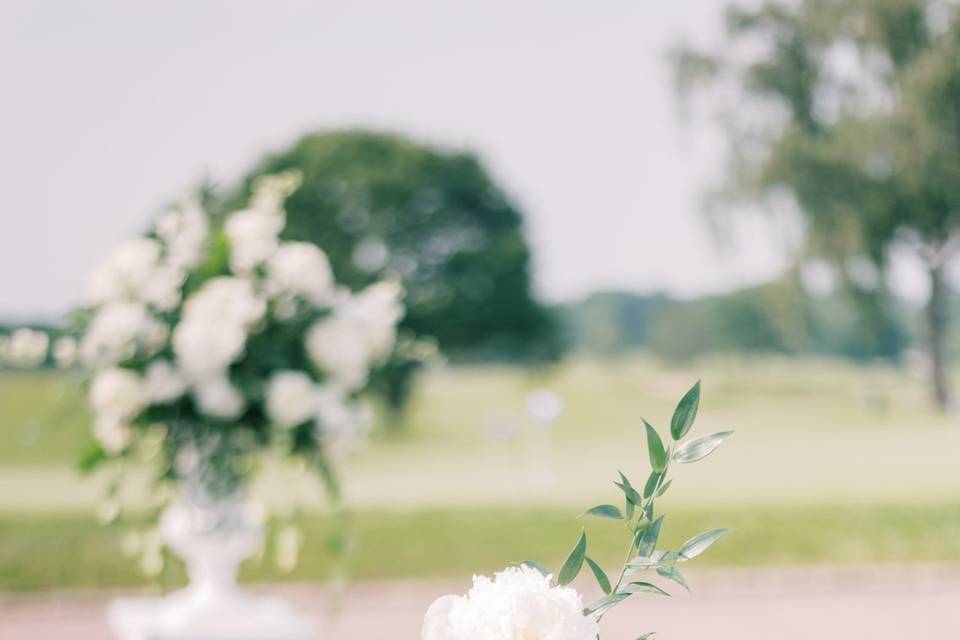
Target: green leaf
(672, 573)
(646, 562)
(533, 564)
(685, 413)
(649, 541)
(615, 598)
(629, 507)
(605, 603)
(571, 567)
(629, 491)
(599, 574)
(93, 456)
(605, 511)
(658, 455)
(651, 485)
(700, 448)
(700, 543)
(647, 636)
(663, 489)
(643, 587)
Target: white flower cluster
(24, 348)
(518, 604)
(149, 345)
(28, 348)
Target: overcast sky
(108, 108)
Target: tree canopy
(381, 204)
(852, 109)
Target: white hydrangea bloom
(300, 269)
(117, 330)
(125, 273)
(65, 352)
(117, 393)
(213, 327)
(184, 231)
(28, 348)
(518, 604)
(360, 333)
(339, 347)
(376, 310)
(162, 382)
(291, 398)
(217, 397)
(162, 289)
(252, 234)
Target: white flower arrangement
(228, 339)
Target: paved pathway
(916, 602)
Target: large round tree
(382, 204)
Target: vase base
(182, 616)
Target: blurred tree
(381, 204)
(852, 109)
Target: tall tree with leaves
(383, 205)
(852, 107)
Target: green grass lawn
(830, 463)
(72, 551)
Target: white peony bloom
(117, 330)
(339, 347)
(117, 393)
(518, 604)
(28, 348)
(65, 352)
(184, 231)
(162, 382)
(217, 397)
(112, 433)
(253, 237)
(125, 273)
(290, 398)
(300, 269)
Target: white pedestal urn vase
(213, 535)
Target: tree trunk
(937, 328)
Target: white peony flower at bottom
(290, 398)
(518, 604)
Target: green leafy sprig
(641, 520)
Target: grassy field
(830, 463)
